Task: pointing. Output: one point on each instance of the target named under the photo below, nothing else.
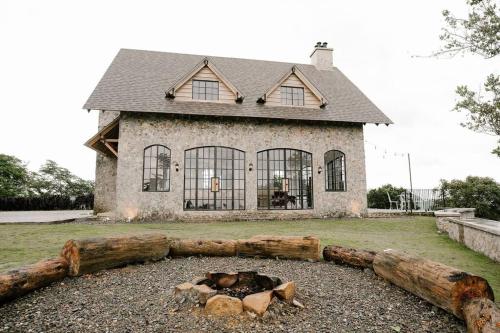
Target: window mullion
(268, 185)
(196, 181)
(284, 169)
(232, 180)
(156, 171)
(215, 175)
(301, 187)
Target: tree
(484, 115)
(14, 177)
(482, 193)
(478, 34)
(377, 198)
(53, 179)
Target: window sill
(155, 191)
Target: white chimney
(322, 56)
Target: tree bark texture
(441, 285)
(20, 281)
(95, 254)
(285, 247)
(202, 247)
(346, 256)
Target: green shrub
(482, 193)
(377, 198)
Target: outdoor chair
(403, 202)
(391, 202)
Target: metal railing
(422, 200)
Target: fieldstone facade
(105, 176)
(119, 186)
(261, 125)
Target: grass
(24, 244)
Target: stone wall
(105, 173)
(140, 130)
(477, 234)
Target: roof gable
(203, 70)
(295, 77)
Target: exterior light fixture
(250, 166)
(320, 170)
(176, 167)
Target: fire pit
(235, 292)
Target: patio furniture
(391, 202)
(403, 201)
(281, 198)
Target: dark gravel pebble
(139, 299)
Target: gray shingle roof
(137, 80)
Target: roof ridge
(220, 57)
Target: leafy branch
(483, 109)
(478, 34)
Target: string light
(386, 153)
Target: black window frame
(168, 168)
(196, 84)
(290, 91)
(332, 172)
(241, 170)
(307, 193)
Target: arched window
(214, 178)
(284, 179)
(335, 171)
(156, 169)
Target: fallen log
(20, 281)
(352, 257)
(95, 254)
(481, 316)
(202, 247)
(441, 285)
(286, 247)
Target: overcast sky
(53, 53)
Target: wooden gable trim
(170, 93)
(101, 143)
(295, 70)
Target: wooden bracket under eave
(170, 94)
(239, 98)
(110, 147)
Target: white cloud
(54, 52)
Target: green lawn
(23, 244)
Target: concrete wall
(477, 234)
(140, 130)
(105, 173)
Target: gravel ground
(139, 299)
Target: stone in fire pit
(234, 292)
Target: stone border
(253, 292)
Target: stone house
(191, 137)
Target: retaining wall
(477, 234)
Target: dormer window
(292, 96)
(293, 89)
(206, 90)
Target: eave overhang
(105, 141)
